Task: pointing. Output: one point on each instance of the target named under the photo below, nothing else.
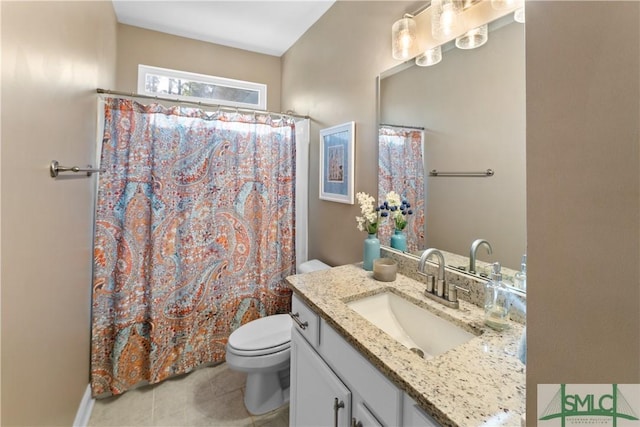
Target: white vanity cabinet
(325, 367)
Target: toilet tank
(312, 265)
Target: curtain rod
(200, 104)
(402, 126)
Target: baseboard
(84, 411)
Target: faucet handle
(462, 288)
(452, 291)
(430, 281)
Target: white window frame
(143, 70)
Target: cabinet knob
(355, 423)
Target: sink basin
(412, 326)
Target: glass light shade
(518, 15)
(445, 19)
(505, 4)
(430, 57)
(473, 38)
(403, 38)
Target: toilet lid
(261, 334)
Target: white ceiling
(263, 26)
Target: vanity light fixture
(473, 38)
(403, 37)
(445, 18)
(421, 35)
(430, 57)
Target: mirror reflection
(465, 114)
(400, 171)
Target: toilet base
(267, 391)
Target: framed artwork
(337, 163)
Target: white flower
(398, 209)
(393, 198)
(369, 219)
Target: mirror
(472, 108)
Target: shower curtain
(194, 236)
(401, 169)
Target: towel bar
(55, 169)
(487, 173)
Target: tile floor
(211, 396)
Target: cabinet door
(318, 397)
(382, 397)
(414, 416)
(362, 417)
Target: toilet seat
(262, 336)
(259, 352)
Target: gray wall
(583, 211)
(583, 174)
(472, 106)
(54, 55)
(141, 46)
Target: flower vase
(399, 241)
(371, 251)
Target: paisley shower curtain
(194, 236)
(401, 169)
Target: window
(194, 87)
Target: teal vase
(371, 251)
(399, 241)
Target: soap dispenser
(496, 301)
(520, 278)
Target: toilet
(261, 348)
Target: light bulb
(518, 15)
(405, 42)
(445, 19)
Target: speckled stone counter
(478, 383)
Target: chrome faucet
(473, 253)
(439, 288)
(444, 293)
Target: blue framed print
(337, 163)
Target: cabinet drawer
(305, 321)
(383, 398)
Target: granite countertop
(481, 382)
